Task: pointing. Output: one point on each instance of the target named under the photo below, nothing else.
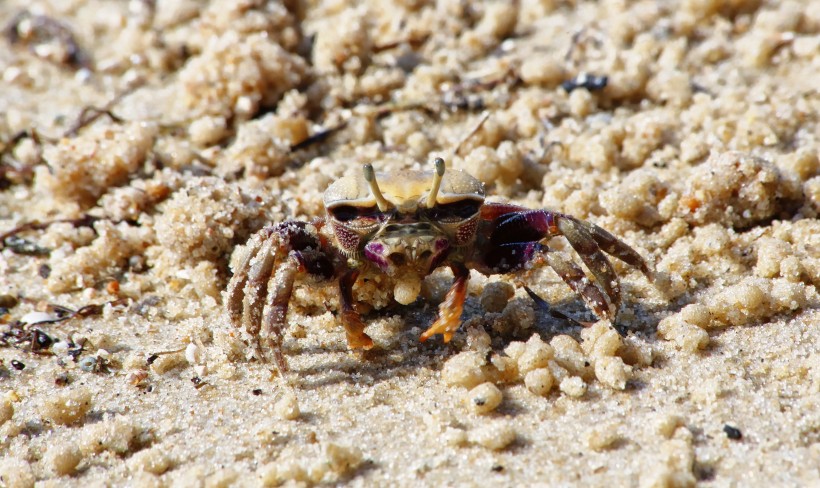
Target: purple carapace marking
(374, 252)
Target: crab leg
(588, 240)
(351, 320)
(592, 256)
(449, 312)
(272, 259)
(508, 257)
(281, 288)
(534, 225)
(614, 246)
(256, 286)
(236, 287)
(575, 277)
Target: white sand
(702, 152)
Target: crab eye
(347, 213)
(344, 213)
(461, 210)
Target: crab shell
(404, 189)
(419, 241)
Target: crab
(406, 224)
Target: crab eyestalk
(370, 177)
(437, 177)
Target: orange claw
(449, 311)
(361, 341)
(354, 327)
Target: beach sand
(153, 138)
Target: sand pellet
(539, 381)
(6, 410)
(69, 407)
(287, 407)
(494, 435)
(62, 459)
(484, 398)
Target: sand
(151, 140)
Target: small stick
(318, 137)
(484, 117)
(84, 119)
(84, 221)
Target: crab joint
(437, 177)
(370, 177)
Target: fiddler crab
(406, 224)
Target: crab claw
(351, 320)
(449, 312)
(354, 329)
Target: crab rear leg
(235, 293)
(449, 312)
(596, 262)
(614, 246)
(588, 240)
(509, 257)
(269, 267)
(534, 225)
(280, 288)
(575, 277)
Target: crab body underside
(422, 221)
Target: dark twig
(318, 137)
(412, 41)
(84, 221)
(90, 114)
(473, 131)
(19, 334)
(12, 171)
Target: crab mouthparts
(407, 259)
(396, 256)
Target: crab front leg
(351, 320)
(524, 228)
(449, 311)
(273, 258)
